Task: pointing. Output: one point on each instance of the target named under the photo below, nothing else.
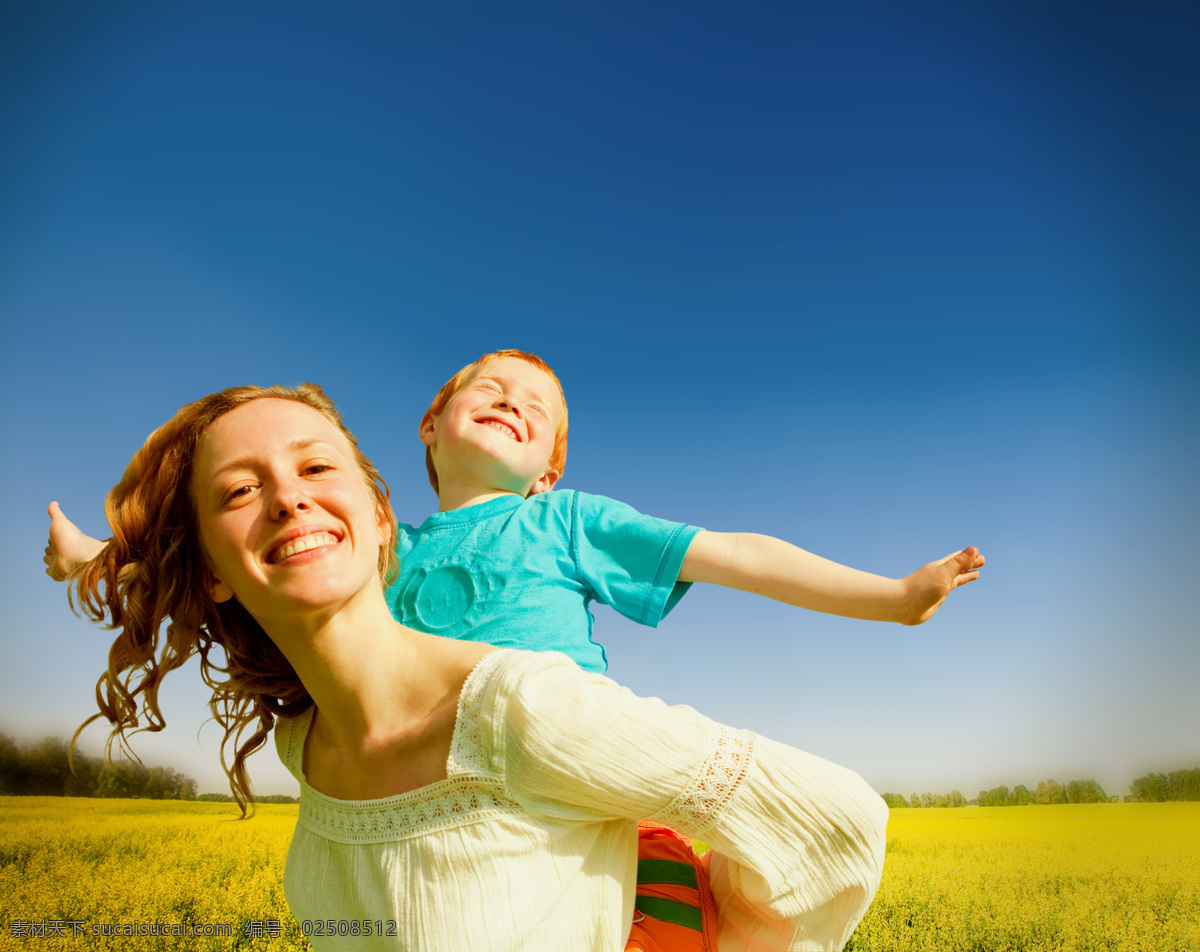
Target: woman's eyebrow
(247, 461)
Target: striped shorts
(674, 907)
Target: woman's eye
(237, 493)
(317, 468)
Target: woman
(453, 796)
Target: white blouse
(530, 843)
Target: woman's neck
(369, 676)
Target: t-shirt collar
(469, 514)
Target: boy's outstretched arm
(768, 566)
(69, 545)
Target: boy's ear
(218, 591)
(426, 430)
(545, 482)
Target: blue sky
(883, 280)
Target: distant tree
(1050, 791)
(83, 781)
(283, 798)
(1184, 784)
(1021, 795)
(10, 765)
(996, 797)
(1158, 787)
(914, 801)
(1085, 791)
(46, 768)
(1151, 788)
(214, 798)
(895, 800)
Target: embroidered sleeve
(699, 804)
(797, 841)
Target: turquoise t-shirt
(520, 573)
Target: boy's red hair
(558, 455)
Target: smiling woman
(154, 569)
(456, 795)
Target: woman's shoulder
(508, 678)
(290, 733)
(500, 672)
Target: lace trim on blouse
(729, 755)
(466, 756)
(467, 795)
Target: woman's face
(286, 518)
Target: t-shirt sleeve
(629, 560)
(797, 841)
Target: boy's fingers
(53, 510)
(968, 558)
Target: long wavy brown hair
(153, 571)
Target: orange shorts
(674, 909)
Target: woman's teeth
(303, 544)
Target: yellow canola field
(1108, 877)
(1071, 878)
(114, 864)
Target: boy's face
(498, 430)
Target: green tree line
(925, 800)
(1046, 792)
(226, 798)
(42, 768)
(1152, 788)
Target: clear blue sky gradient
(880, 279)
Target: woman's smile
(311, 541)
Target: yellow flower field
(121, 863)
(1110, 877)
(1097, 877)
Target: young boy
(507, 562)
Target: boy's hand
(68, 547)
(928, 586)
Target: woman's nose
(289, 499)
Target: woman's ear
(218, 591)
(385, 526)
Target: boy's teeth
(506, 430)
(304, 543)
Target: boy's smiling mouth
(505, 428)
